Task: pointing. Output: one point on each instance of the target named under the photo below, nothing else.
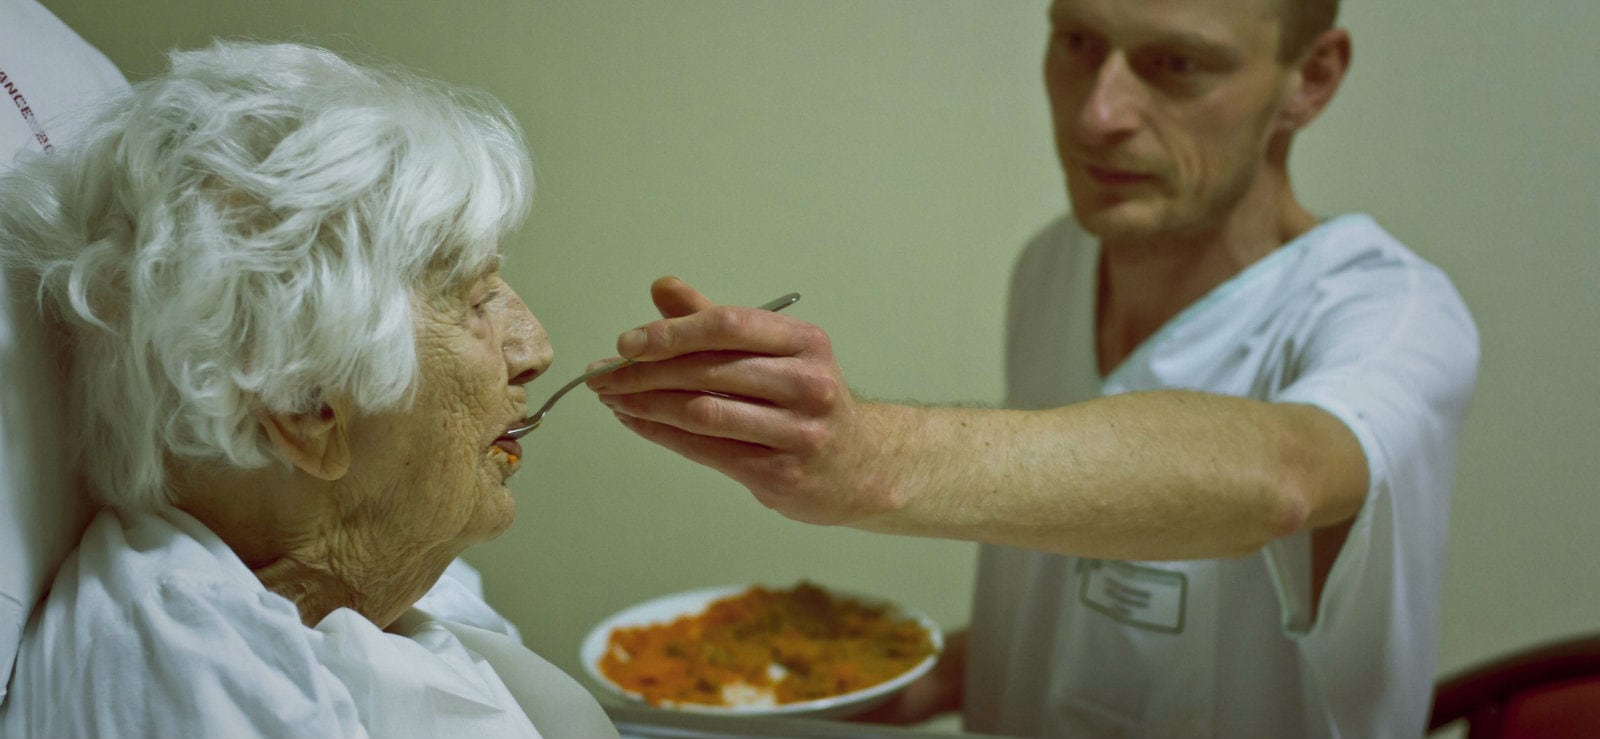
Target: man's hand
(1167, 474)
(753, 394)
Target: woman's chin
(497, 511)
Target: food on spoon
(764, 647)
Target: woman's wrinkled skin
(377, 505)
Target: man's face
(1162, 109)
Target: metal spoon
(532, 422)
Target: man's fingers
(781, 381)
(674, 298)
(741, 461)
(692, 323)
(763, 470)
(704, 414)
(720, 328)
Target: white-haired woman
(292, 360)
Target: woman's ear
(315, 442)
(1316, 79)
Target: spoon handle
(532, 422)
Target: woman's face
(434, 475)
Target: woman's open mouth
(507, 449)
(509, 446)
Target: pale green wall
(886, 159)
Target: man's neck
(1145, 283)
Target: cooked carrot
(825, 646)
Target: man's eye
(1178, 64)
(1169, 68)
(1074, 41)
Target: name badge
(1145, 597)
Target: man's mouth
(1113, 177)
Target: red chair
(1551, 691)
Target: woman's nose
(527, 348)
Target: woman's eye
(481, 305)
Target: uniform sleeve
(1395, 357)
(1393, 353)
(206, 660)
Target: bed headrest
(41, 517)
(41, 514)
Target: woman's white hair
(247, 232)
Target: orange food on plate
(777, 646)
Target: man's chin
(1127, 221)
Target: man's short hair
(1303, 22)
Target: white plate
(666, 608)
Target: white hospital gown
(154, 627)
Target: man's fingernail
(631, 344)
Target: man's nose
(527, 348)
(1112, 106)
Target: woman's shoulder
(129, 562)
(149, 607)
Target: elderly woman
(292, 361)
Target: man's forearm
(759, 397)
(1159, 475)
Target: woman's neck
(290, 530)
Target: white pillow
(41, 514)
(49, 72)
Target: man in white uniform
(1217, 506)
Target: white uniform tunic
(1344, 318)
(155, 628)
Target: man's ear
(315, 442)
(1316, 79)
